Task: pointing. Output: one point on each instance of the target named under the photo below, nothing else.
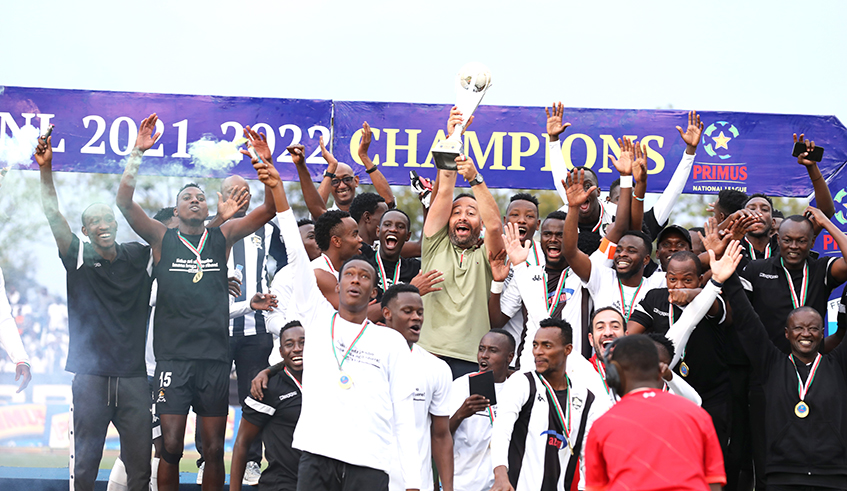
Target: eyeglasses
(346, 180)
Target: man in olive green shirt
(457, 316)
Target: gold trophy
(472, 83)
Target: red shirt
(652, 440)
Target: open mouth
(296, 359)
(194, 208)
(463, 229)
(391, 241)
(805, 343)
(583, 208)
(483, 366)
(554, 252)
(522, 232)
(105, 236)
(623, 263)
(415, 329)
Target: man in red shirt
(650, 440)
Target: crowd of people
(42, 321)
(501, 351)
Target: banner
(95, 131)
(749, 152)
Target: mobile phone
(482, 383)
(815, 155)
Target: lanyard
(802, 388)
(332, 335)
(381, 271)
(553, 303)
(196, 250)
(296, 382)
(602, 371)
(560, 416)
(752, 249)
(535, 251)
(797, 302)
(628, 312)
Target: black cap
(675, 228)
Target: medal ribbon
(535, 251)
(665, 386)
(560, 416)
(794, 300)
(381, 271)
(628, 312)
(196, 250)
(332, 335)
(753, 250)
(329, 264)
(553, 303)
(801, 387)
(296, 382)
(602, 371)
(602, 214)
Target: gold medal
(801, 410)
(198, 276)
(344, 381)
(683, 369)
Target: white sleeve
(559, 168)
(662, 208)
(281, 288)
(440, 405)
(691, 316)
(308, 299)
(598, 408)
(509, 403)
(402, 389)
(240, 308)
(10, 339)
(530, 284)
(682, 388)
(510, 299)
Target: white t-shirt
(604, 288)
(432, 398)
(472, 469)
(358, 425)
(510, 299)
(323, 263)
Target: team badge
(257, 241)
(161, 397)
(718, 134)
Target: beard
(466, 243)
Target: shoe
(251, 474)
(200, 473)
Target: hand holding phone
(801, 146)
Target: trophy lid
(475, 77)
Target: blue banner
(95, 130)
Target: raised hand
(816, 216)
(456, 119)
(298, 154)
(691, 135)
(145, 139)
(713, 239)
(517, 252)
(575, 188)
(624, 163)
(810, 145)
(425, 281)
(367, 134)
(739, 223)
(22, 370)
(472, 405)
(639, 167)
(267, 172)
(466, 167)
(235, 200)
(555, 127)
(43, 152)
(259, 142)
(263, 301)
(330, 158)
(499, 266)
(682, 296)
(722, 269)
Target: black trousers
(319, 473)
(250, 354)
(98, 401)
(459, 367)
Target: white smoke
(210, 153)
(16, 151)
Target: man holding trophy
(454, 323)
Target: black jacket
(816, 445)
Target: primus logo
(713, 177)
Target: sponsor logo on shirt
(161, 397)
(768, 276)
(288, 396)
(419, 396)
(257, 241)
(537, 277)
(576, 402)
(660, 312)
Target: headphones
(614, 374)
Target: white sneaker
(200, 473)
(251, 474)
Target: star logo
(721, 140)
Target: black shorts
(201, 384)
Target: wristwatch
(329, 174)
(476, 180)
